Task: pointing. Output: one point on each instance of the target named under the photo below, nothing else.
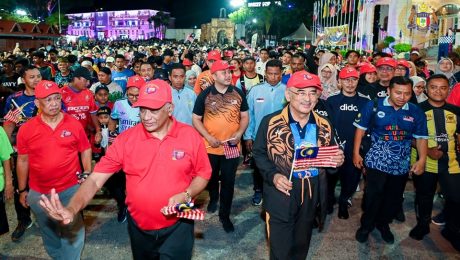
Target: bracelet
(188, 197)
(21, 191)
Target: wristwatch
(188, 197)
(21, 191)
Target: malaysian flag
(13, 115)
(190, 38)
(231, 150)
(184, 210)
(311, 157)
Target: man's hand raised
(53, 207)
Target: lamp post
(237, 4)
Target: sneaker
(227, 225)
(257, 198)
(386, 234)
(20, 230)
(212, 207)
(419, 232)
(362, 235)
(439, 219)
(122, 214)
(349, 203)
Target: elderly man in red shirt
(175, 170)
(48, 148)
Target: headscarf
(416, 79)
(329, 85)
(325, 58)
(188, 74)
(448, 74)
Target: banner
(336, 36)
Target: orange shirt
(53, 154)
(203, 81)
(156, 169)
(221, 113)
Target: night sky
(187, 12)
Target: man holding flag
(291, 148)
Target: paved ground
(107, 239)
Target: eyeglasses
(133, 96)
(401, 68)
(385, 69)
(304, 94)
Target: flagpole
(353, 25)
(59, 15)
(347, 21)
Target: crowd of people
(164, 121)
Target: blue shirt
(121, 78)
(392, 132)
(183, 100)
(126, 115)
(263, 99)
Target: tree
(160, 21)
(53, 19)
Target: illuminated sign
(262, 4)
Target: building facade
(111, 25)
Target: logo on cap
(307, 76)
(150, 90)
(48, 85)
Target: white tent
(301, 34)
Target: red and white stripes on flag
(312, 157)
(13, 115)
(183, 212)
(231, 151)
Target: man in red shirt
(48, 147)
(175, 170)
(79, 100)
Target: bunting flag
(325, 7)
(360, 5)
(315, 11)
(332, 8)
(351, 6)
(13, 115)
(344, 6)
(184, 210)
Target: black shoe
(20, 230)
(386, 234)
(122, 214)
(257, 198)
(451, 238)
(400, 216)
(343, 212)
(362, 235)
(212, 207)
(419, 231)
(227, 224)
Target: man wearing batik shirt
(79, 101)
(393, 125)
(221, 116)
(121, 74)
(205, 78)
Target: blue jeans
(60, 241)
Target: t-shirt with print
(79, 104)
(5, 153)
(221, 113)
(392, 132)
(126, 115)
(121, 78)
(115, 91)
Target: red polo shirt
(156, 169)
(53, 154)
(79, 104)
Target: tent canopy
(301, 34)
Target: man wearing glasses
(291, 204)
(48, 147)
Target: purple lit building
(111, 25)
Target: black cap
(101, 87)
(104, 111)
(82, 72)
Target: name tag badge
(260, 100)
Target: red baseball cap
(367, 68)
(348, 72)
(386, 61)
(404, 63)
(135, 82)
(187, 62)
(45, 88)
(154, 94)
(220, 65)
(303, 79)
(214, 55)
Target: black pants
(349, 180)
(174, 242)
(257, 179)
(22, 214)
(4, 228)
(116, 185)
(291, 239)
(224, 170)
(383, 195)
